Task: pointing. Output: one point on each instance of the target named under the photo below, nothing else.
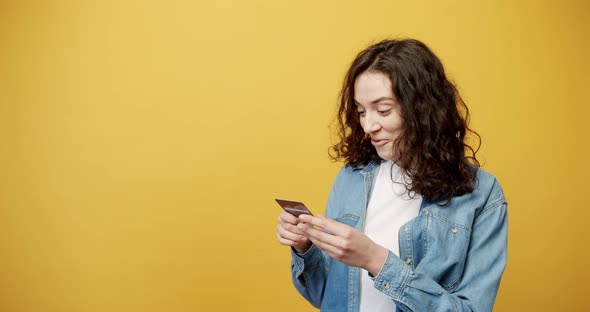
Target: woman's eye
(361, 114)
(384, 112)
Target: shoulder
(488, 187)
(486, 196)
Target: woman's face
(379, 112)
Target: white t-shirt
(389, 208)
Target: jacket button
(406, 228)
(408, 260)
(454, 230)
(386, 286)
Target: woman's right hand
(289, 235)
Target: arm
(485, 262)
(306, 259)
(309, 269)
(411, 289)
(309, 273)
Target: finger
(325, 224)
(320, 235)
(291, 227)
(307, 219)
(333, 252)
(288, 218)
(286, 234)
(286, 242)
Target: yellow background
(143, 142)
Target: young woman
(412, 223)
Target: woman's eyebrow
(377, 100)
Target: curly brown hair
(435, 156)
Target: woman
(412, 222)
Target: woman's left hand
(343, 243)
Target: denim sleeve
(309, 271)
(309, 274)
(485, 262)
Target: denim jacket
(451, 257)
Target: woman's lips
(378, 143)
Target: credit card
(294, 207)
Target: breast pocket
(348, 219)
(447, 246)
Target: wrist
(302, 248)
(376, 262)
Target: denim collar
(368, 167)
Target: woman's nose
(370, 124)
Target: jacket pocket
(447, 246)
(348, 219)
